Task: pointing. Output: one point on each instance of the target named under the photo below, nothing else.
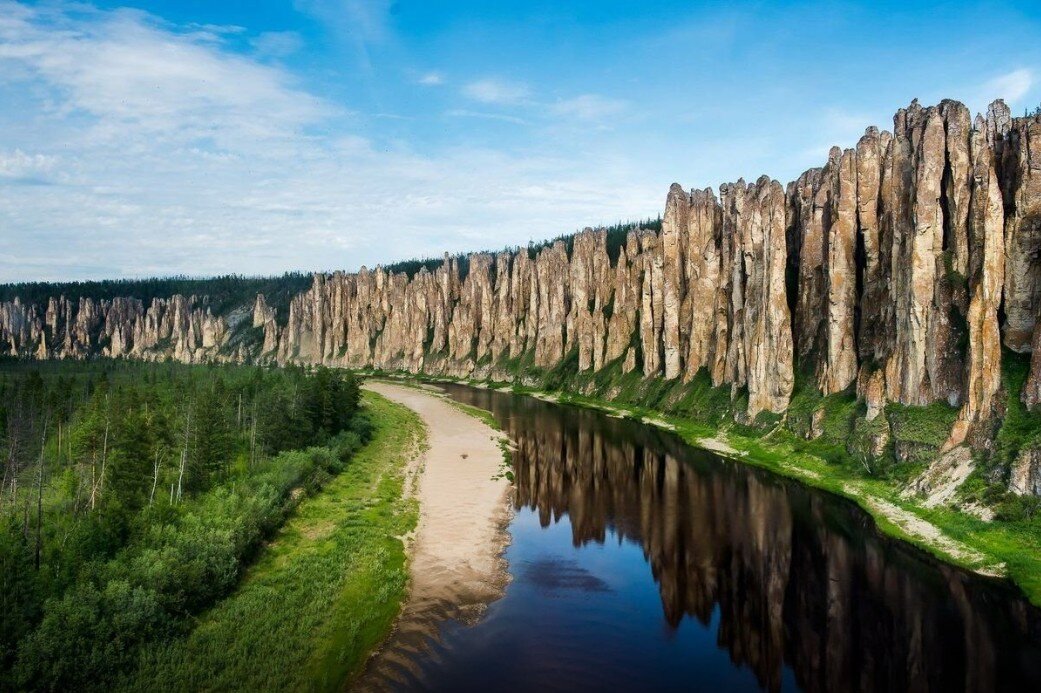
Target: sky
(245, 136)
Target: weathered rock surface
(1026, 473)
(985, 273)
(898, 269)
(182, 328)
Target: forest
(232, 291)
(134, 494)
(616, 236)
(223, 293)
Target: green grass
(1016, 544)
(482, 415)
(322, 595)
(1020, 427)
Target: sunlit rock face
(885, 267)
(181, 328)
(898, 269)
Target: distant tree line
(230, 291)
(616, 236)
(224, 292)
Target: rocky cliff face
(897, 270)
(180, 328)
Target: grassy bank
(832, 460)
(1002, 548)
(323, 593)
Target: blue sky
(141, 138)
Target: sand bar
(456, 561)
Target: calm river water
(639, 563)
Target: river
(638, 562)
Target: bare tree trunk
(39, 498)
(12, 467)
(104, 449)
(253, 436)
(93, 477)
(155, 474)
(3, 485)
(184, 453)
(97, 483)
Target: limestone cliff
(897, 271)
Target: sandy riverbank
(456, 562)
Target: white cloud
(464, 113)
(18, 165)
(1014, 86)
(277, 44)
(431, 79)
(1011, 86)
(496, 91)
(169, 152)
(366, 20)
(361, 23)
(132, 77)
(836, 127)
(589, 107)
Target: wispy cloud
(365, 20)
(361, 23)
(170, 152)
(1014, 85)
(277, 44)
(431, 79)
(19, 165)
(839, 127)
(1011, 86)
(496, 91)
(589, 107)
(464, 113)
(132, 77)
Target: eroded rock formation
(897, 270)
(181, 328)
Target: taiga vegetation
(134, 494)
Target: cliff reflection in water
(799, 577)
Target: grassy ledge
(993, 548)
(323, 594)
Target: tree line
(616, 238)
(223, 292)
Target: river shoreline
(456, 562)
(944, 533)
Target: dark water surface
(640, 563)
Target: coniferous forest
(134, 494)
